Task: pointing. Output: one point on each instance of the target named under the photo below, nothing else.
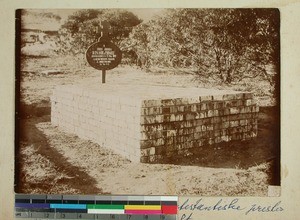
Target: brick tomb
(152, 123)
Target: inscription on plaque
(103, 55)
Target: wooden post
(104, 30)
(103, 76)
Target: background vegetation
(228, 46)
(82, 28)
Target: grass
(242, 175)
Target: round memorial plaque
(103, 55)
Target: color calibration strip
(95, 207)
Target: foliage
(227, 44)
(80, 29)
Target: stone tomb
(153, 123)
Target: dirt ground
(49, 160)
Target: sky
(146, 14)
(32, 22)
(143, 13)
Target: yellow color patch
(142, 207)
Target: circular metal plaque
(103, 55)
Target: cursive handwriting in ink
(186, 217)
(224, 205)
(259, 208)
(200, 206)
(219, 206)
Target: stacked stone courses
(153, 123)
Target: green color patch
(105, 206)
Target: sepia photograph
(181, 101)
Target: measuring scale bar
(40, 207)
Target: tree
(137, 45)
(79, 31)
(226, 44)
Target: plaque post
(103, 55)
(103, 76)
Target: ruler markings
(40, 207)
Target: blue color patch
(32, 205)
(67, 206)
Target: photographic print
(179, 101)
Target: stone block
(145, 124)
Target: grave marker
(104, 55)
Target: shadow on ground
(264, 148)
(28, 133)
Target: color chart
(40, 207)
